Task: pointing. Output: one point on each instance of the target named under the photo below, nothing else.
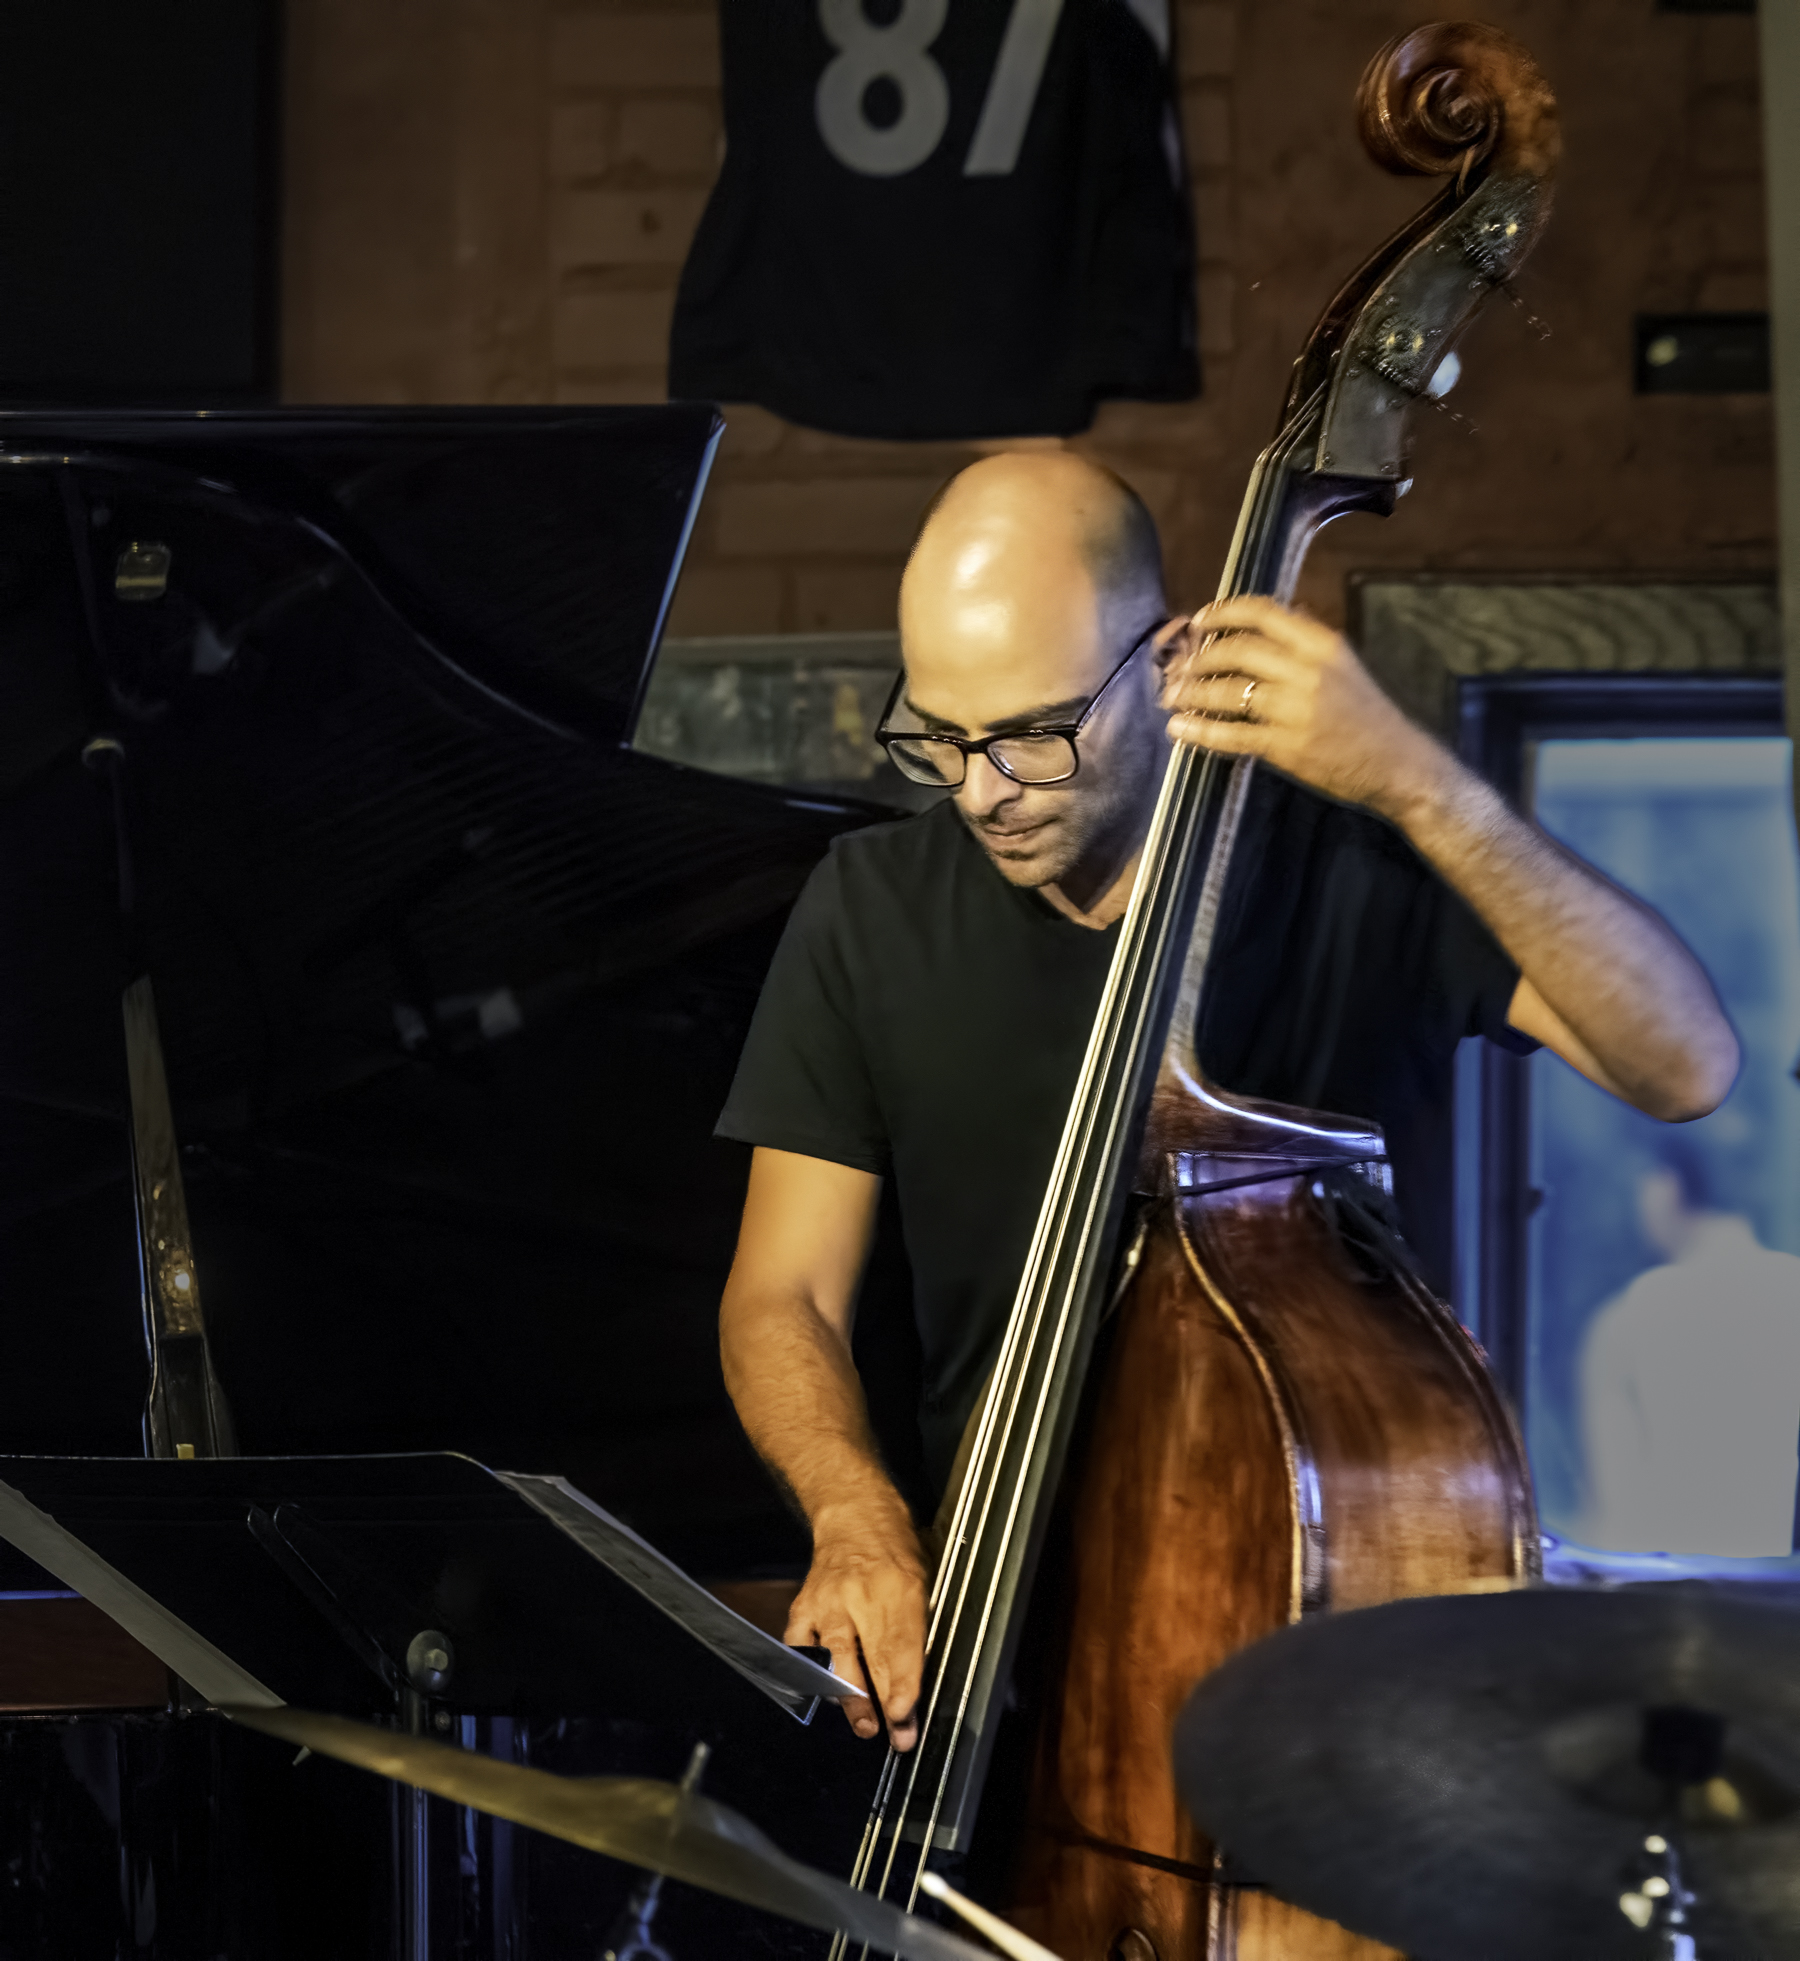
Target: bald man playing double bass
(926, 1013)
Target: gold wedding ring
(1244, 705)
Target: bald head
(1027, 573)
(1022, 517)
(1033, 577)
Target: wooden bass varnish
(1284, 1421)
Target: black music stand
(401, 1587)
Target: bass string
(1119, 1027)
(1078, 1222)
(1174, 833)
(1009, 1524)
(1072, 1149)
(1124, 1031)
(1053, 1219)
(1025, 1322)
(1001, 1406)
(1115, 1113)
(1008, 1389)
(1068, 1148)
(1028, 1313)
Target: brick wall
(489, 200)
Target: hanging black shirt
(925, 1020)
(938, 218)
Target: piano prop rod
(185, 1412)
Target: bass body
(1284, 1422)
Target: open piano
(450, 984)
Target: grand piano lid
(451, 982)
(373, 672)
(531, 554)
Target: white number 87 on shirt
(899, 54)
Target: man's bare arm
(784, 1338)
(1603, 980)
(1635, 1010)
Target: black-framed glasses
(1046, 755)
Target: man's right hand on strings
(784, 1340)
(864, 1599)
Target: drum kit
(1604, 1773)
(1554, 1772)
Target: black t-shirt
(925, 1020)
(944, 223)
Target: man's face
(998, 638)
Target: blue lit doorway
(1581, 1224)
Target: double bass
(1224, 1399)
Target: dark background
(414, 1229)
(139, 150)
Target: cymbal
(1466, 1776)
(637, 1819)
